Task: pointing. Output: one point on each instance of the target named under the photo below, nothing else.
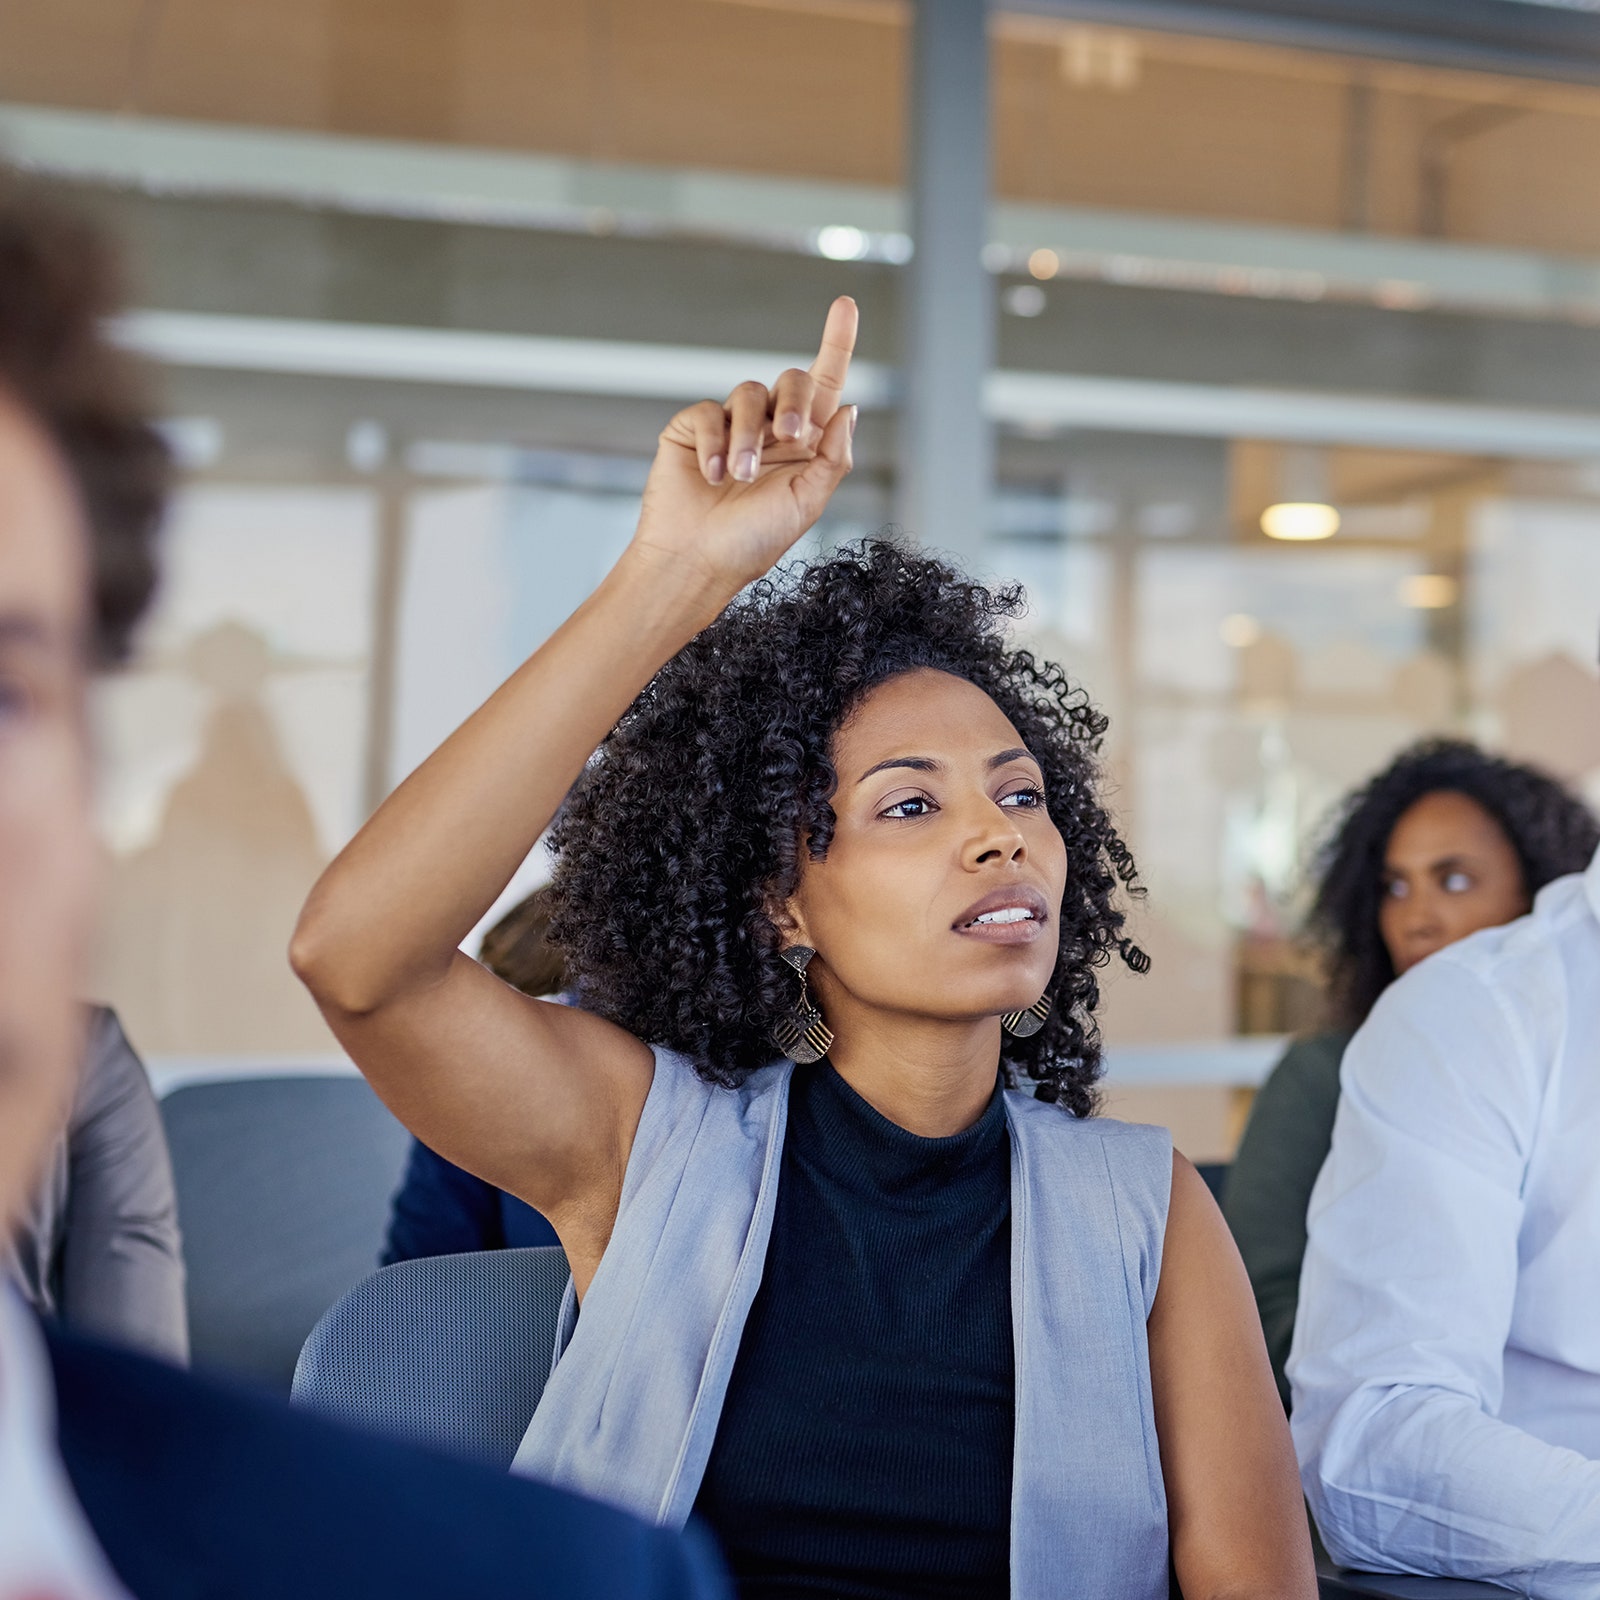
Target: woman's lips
(1023, 932)
(1017, 915)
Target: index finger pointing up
(832, 365)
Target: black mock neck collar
(863, 1150)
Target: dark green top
(1269, 1184)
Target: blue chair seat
(447, 1351)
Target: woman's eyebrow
(1016, 753)
(916, 763)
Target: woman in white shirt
(1446, 1360)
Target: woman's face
(1448, 871)
(941, 891)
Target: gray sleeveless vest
(638, 1381)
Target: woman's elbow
(321, 960)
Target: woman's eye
(1026, 798)
(917, 805)
(1395, 889)
(15, 699)
(1457, 882)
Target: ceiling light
(1429, 591)
(1024, 300)
(1239, 631)
(1300, 520)
(840, 242)
(366, 445)
(1044, 263)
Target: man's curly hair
(690, 822)
(1552, 831)
(59, 282)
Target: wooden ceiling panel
(708, 84)
(815, 88)
(528, 75)
(79, 53)
(1535, 179)
(1229, 143)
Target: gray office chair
(448, 1351)
(283, 1187)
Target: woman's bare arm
(1238, 1522)
(543, 1100)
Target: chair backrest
(1215, 1174)
(283, 1186)
(448, 1351)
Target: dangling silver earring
(1024, 1024)
(804, 1037)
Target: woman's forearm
(390, 911)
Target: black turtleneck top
(864, 1448)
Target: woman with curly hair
(1446, 841)
(833, 879)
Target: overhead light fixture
(1300, 521)
(840, 242)
(1240, 630)
(1024, 300)
(1429, 591)
(1098, 58)
(1044, 263)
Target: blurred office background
(425, 277)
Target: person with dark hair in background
(834, 877)
(1445, 1370)
(120, 1474)
(98, 1249)
(1444, 841)
(440, 1209)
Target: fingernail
(790, 425)
(716, 467)
(855, 417)
(744, 469)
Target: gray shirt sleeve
(1269, 1184)
(121, 1259)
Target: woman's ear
(786, 918)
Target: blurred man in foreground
(156, 1483)
(1446, 1358)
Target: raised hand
(736, 484)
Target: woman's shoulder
(677, 1075)
(681, 1098)
(1021, 1104)
(1135, 1154)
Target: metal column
(945, 448)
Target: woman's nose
(999, 839)
(1422, 919)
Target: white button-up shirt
(46, 1549)
(1446, 1359)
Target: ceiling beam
(1031, 401)
(1520, 37)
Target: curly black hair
(1552, 831)
(688, 825)
(59, 283)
